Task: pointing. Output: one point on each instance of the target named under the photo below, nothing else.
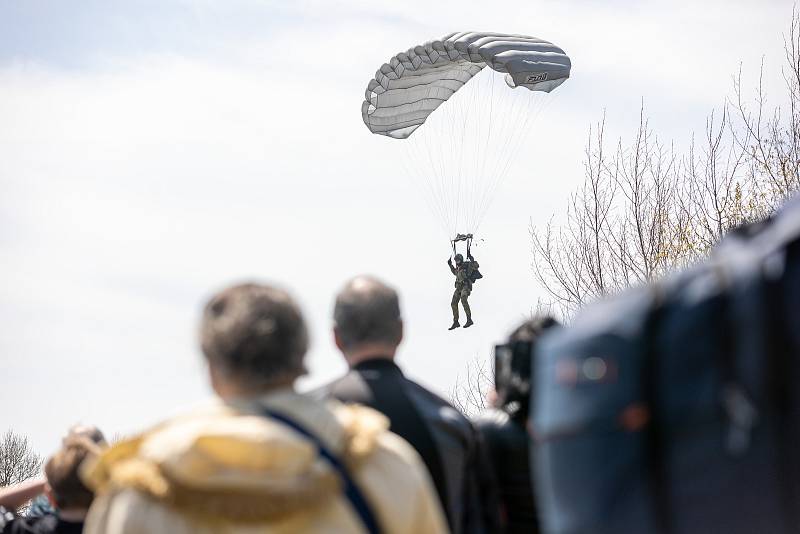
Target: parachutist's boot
(455, 324)
(468, 323)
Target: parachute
(471, 124)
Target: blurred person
(68, 495)
(368, 329)
(263, 458)
(90, 432)
(504, 426)
(674, 407)
(41, 505)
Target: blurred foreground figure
(368, 329)
(265, 458)
(69, 499)
(504, 429)
(675, 408)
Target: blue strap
(351, 491)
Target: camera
(512, 374)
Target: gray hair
(255, 333)
(367, 311)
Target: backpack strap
(351, 490)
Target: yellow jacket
(226, 469)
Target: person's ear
(48, 491)
(400, 336)
(338, 339)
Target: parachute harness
(462, 237)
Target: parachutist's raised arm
(450, 264)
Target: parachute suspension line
(436, 167)
(511, 129)
(450, 130)
(536, 109)
(430, 199)
(513, 144)
(430, 175)
(479, 104)
(465, 174)
(463, 192)
(492, 80)
(511, 135)
(504, 116)
(507, 136)
(458, 123)
(448, 156)
(461, 165)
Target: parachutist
(466, 273)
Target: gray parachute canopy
(407, 89)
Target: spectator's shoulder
(491, 418)
(348, 388)
(426, 393)
(129, 511)
(443, 409)
(492, 423)
(370, 445)
(399, 484)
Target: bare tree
(771, 139)
(469, 393)
(644, 210)
(18, 461)
(620, 223)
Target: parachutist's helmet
(459, 259)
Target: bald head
(367, 314)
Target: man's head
(367, 320)
(64, 486)
(254, 338)
(90, 432)
(459, 259)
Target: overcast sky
(152, 152)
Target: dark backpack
(674, 408)
(475, 275)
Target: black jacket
(48, 524)
(508, 443)
(444, 438)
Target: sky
(153, 152)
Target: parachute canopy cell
(407, 89)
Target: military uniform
(463, 287)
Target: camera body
(512, 374)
